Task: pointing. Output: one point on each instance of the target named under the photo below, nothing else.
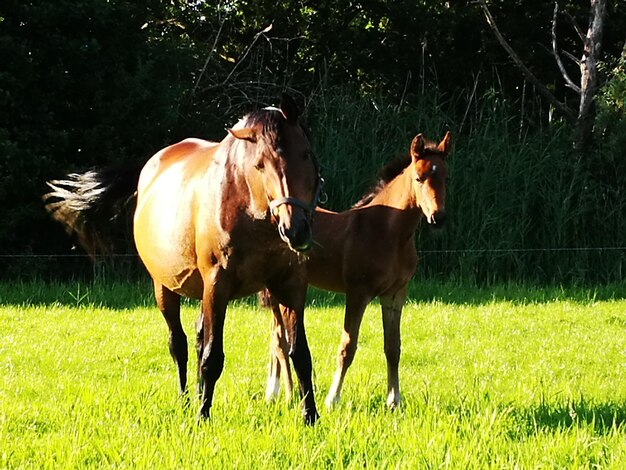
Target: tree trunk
(589, 75)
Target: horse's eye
(422, 178)
(260, 166)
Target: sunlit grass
(502, 378)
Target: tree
(584, 118)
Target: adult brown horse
(219, 221)
(369, 251)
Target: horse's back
(183, 155)
(353, 250)
(164, 225)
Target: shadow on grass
(465, 294)
(118, 294)
(603, 418)
(113, 294)
(523, 294)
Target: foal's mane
(392, 169)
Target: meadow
(502, 377)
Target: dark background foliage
(90, 83)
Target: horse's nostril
(298, 235)
(282, 231)
(439, 218)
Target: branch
(541, 88)
(208, 57)
(573, 58)
(568, 80)
(572, 21)
(245, 54)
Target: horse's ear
(246, 133)
(446, 144)
(417, 147)
(289, 108)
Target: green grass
(508, 377)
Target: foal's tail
(89, 204)
(264, 298)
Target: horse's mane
(392, 169)
(268, 120)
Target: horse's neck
(249, 183)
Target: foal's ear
(289, 108)
(246, 133)
(446, 144)
(417, 147)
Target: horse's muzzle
(298, 235)
(437, 219)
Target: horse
(369, 251)
(216, 221)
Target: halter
(275, 203)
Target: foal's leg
(355, 306)
(292, 298)
(169, 305)
(279, 358)
(199, 348)
(214, 301)
(392, 313)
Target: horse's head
(430, 174)
(285, 167)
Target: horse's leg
(355, 306)
(292, 299)
(214, 302)
(392, 313)
(279, 358)
(169, 305)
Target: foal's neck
(398, 194)
(403, 214)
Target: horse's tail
(89, 204)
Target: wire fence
(437, 251)
(584, 264)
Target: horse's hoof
(204, 414)
(394, 400)
(332, 401)
(310, 417)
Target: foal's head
(430, 174)
(286, 168)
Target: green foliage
(611, 123)
(95, 83)
(355, 138)
(512, 377)
(520, 204)
(86, 87)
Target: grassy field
(509, 377)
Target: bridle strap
(291, 201)
(275, 203)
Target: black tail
(93, 205)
